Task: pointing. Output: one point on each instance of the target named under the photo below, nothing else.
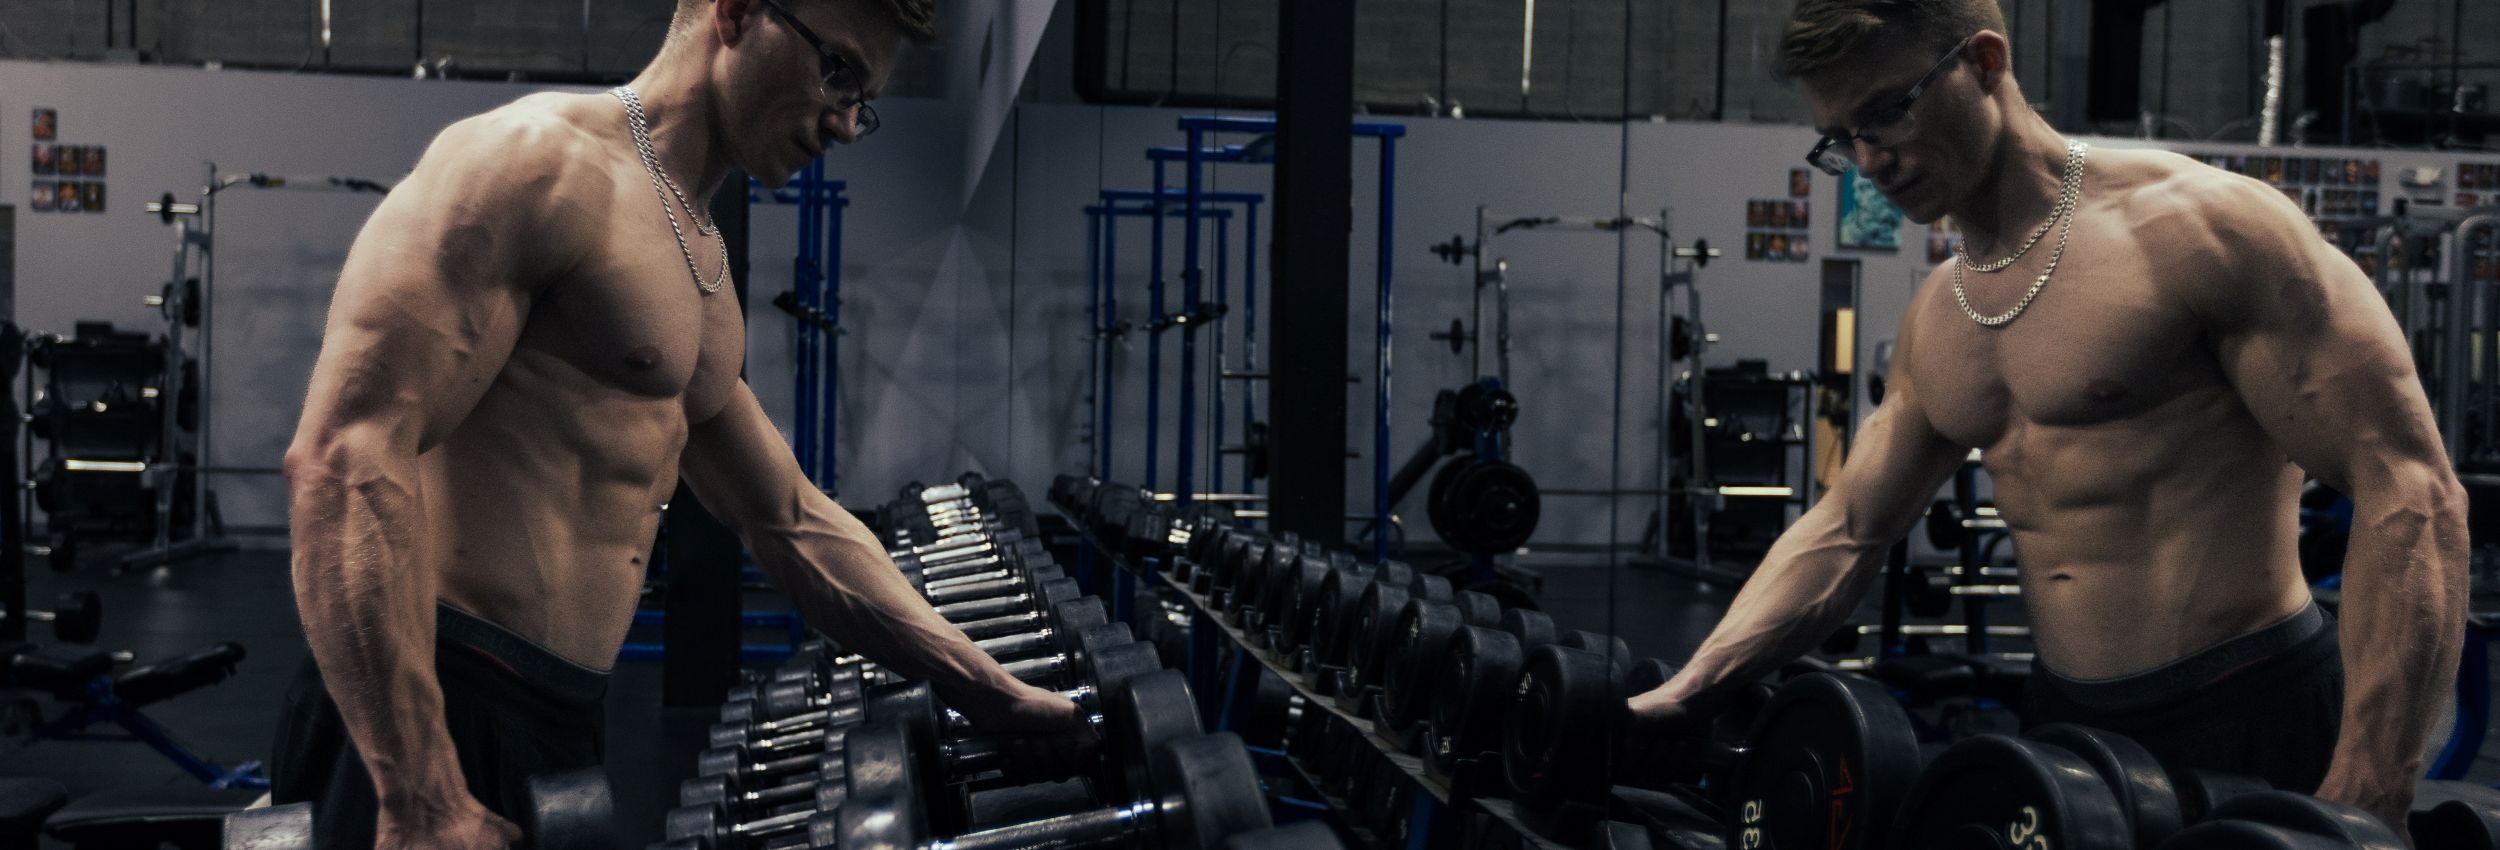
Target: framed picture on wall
(91, 196)
(46, 158)
(1800, 182)
(70, 159)
(1868, 220)
(65, 196)
(94, 161)
(41, 197)
(47, 124)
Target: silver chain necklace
(666, 188)
(2063, 214)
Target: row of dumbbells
(1500, 704)
(831, 750)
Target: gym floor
(245, 597)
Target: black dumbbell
(741, 796)
(1106, 663)
(1474, 676)
(573, 810)
(1375, 611)
(1333, 618)
(1013, 638)
(1290, 589)
(1151, 709)
(1413, 648)
(1824, 762)
(753, 758)
(75, 616)
(1202, 791)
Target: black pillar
(701, 634)
(1314, 217)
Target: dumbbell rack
(1435, 812)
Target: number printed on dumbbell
(1751, 816)
(2025, 834)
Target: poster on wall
(93, 161)
(1868, 220)
(44, 158)
(47, 124)
(1800, 182)
(65, 197)
(91, 196)
(40, 199)
(70, 159)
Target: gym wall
(967, 319)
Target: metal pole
(803, 269)
(1110, 320)
(1094, 325)
(836, 201)
(1475, 348)
(2459, 358)
(1249, 327)
(207, 377)
(1186, 465)
(1154, 338)
(1380, 394)
(1216, 383)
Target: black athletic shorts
(515, 710)
(2267, 704)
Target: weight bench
(186, 816)
(117, 698)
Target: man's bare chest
(633, 318)
(2098, 346)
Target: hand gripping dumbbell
(1198, 791)
(742, 796)
(752, 759)
(1058, 604)
(1105, 655)
(76, 616)
(796, 689)
(938, 756)
(573, 810)
(1147, 710)
(1822, 762)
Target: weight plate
(1300, 835)
(1305, 596)
(1111, 666)
(2024, 793)
(1492, 507)
(1556, 732)
(1437, 494)
(1618, 654)
(1480, 609)
(1339, 592)
(2202, 791)
(2137, 779)
(1418, 639)
(1145, 713)
(1271, 707)
(1080, 614)
(1429, 586)
(1397, 573)
(1828, 763)
(1209, 792)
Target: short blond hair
(1820, 32)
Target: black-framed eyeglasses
(841, 80)
(1835, 155)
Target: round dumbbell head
(574, 810)
(1431, 587)
(1420, 637)
(1333, 615)
(1617, 653)
(1557, 729)
(2134, 777)
(1532, 628)
(1480, 609)
(1270, 711)
(705, 824)
(1991, 785)
(1209, 791)
(2282, 819)
(2202, 791)
(1141, 715)
(2473, 822)
(1374, 613)
(785, 699)
(1475, 674)
(882, 764)
(1816, 727)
